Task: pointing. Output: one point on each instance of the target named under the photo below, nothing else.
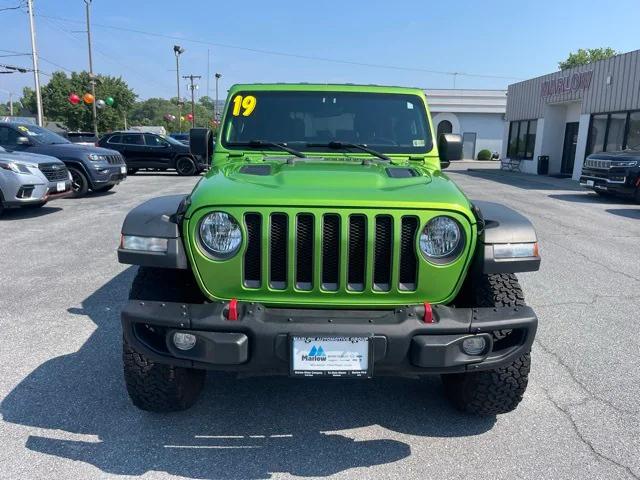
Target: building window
(522, 139)
(444, 127)
(633, 135)
(612, 132)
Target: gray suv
(31, 180)
(92, 168)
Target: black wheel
(153, 386)
(132, 171)
(500, 390)
(103, 189)
(79, 182)
(637, 195)
(185, 166)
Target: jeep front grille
(354, 253)
(115, 159)
(595, 163)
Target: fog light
(474, 345)
(184, 341)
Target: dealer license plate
(331, 356)
(589, 183)
(123, 169)
(61, 186)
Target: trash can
(543, 165)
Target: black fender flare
(157, 218)
(499, 224)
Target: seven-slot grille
(595, 163)
(296, 246)
(114, 159)
(55, 172)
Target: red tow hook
(233, 309)
(428, 313)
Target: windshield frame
(23, 128)
(302, 145)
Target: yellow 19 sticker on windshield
(244, 105)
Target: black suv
(613, 173)
(144, 150)
(91, 168)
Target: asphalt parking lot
(65, 412)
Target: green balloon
(109, 101)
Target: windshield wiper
(260, 143)
(347, 145)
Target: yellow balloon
(182, 118)
(88, 98)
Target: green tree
(56, 105)
(584, 57)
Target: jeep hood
(320, 182)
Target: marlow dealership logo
(316, 354)
(570, 83)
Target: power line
(286, 54)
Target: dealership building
(556, 120)
(477, 115)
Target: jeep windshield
(317, 121)
(42, 135)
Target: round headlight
(441, 239)
(220, 234)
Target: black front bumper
(620, 181)
(259, 340)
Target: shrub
(484, 154)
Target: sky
(420, 43)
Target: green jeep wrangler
(325, 241)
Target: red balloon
(189, 116)
(74, 99)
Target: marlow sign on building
(570, 83)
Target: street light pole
(178, 50)
(34, 57)
(215, 105)
(91, 76)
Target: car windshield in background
(77, 137)
(388, 123)
(171, 140)
(42, 135)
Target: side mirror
(449, 148)
(23, 141)
(201, 143)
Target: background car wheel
(185, 166)
(500, 390)
(106, 188)
(637, 195)
(132, 171)
(154, 386)
(79, 182)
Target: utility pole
(11, 104)
(34, 57)
(91, 76)
(192, 86)
(215, 105)
(208, 69)
(178, 50)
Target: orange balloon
(88, 98)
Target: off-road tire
(79, 182)
(491, 392)
(160, 388)
(185, 166)
(153, 386)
